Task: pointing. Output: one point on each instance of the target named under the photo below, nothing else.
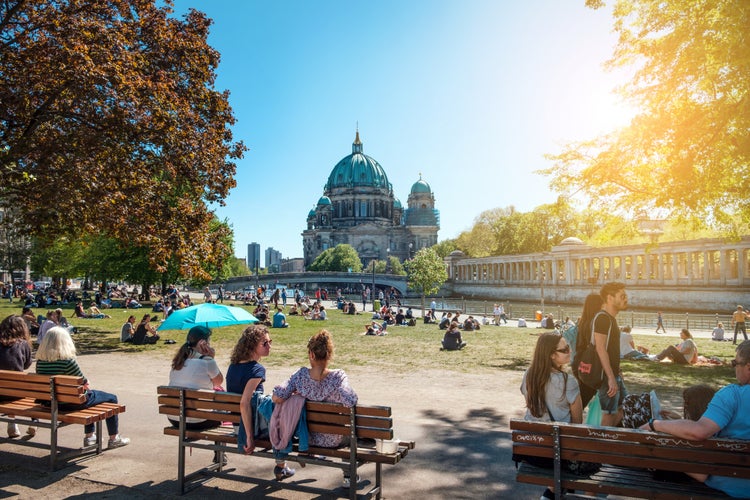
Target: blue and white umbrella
(209, 315)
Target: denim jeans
(94, 398)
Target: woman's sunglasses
(564, 350)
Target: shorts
(610, 405)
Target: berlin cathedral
(358, 207)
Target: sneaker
(347, 481)
(224, 460)
(282, 473)
(13, 430)
(89, 441)
(118, 442)
(31, 431)
(547, 495)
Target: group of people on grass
(194, 367)
(553, 394)
(55, 355)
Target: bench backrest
(631, 448)
(373, 422)
(67, 389)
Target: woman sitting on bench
(57, 356)
(551, 393)
(319, 383)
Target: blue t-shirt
(729, 409)
(239, 374)
(279, 320)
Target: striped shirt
(59, 367)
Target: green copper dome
(421, 186)
(357, 170)
(324, 200)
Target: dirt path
(459, 422)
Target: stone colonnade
(685, 265)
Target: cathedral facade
(359, 208)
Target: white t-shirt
(562, 391)
(195, 374)
(625, 347)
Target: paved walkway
(460, 426)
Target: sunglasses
(267, 343)
(564, 350)
(735, 363)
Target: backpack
(571, 337)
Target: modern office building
(253, 257)
(273, 260)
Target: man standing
(660, 323)
(607, 340)
(725, 417)
(738, 318)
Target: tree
(426, 273)
(687, 151)
(394, 266)
(110, 124)
(445, 247)
(340, 258)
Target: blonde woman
(57, 356)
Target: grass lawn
(406, 349)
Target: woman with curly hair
(15, 355)
(246, 375)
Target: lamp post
(372, 290)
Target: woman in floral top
(319, 383)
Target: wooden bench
(27, 396)
(359, 423)
(629, 456)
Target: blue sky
(468, 93)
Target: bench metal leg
(379, 480)
(557, 466)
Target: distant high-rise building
(253, 256)
(273, 260)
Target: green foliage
(687, 151)
(340, 258)
(395, 266)
(238, 267)
(111, 125)
(445, 247)
(426, 273)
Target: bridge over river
(310, 281)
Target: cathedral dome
(421, 186)
(324, 200)
(358, 169)
(397, 203)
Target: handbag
(590, 370)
